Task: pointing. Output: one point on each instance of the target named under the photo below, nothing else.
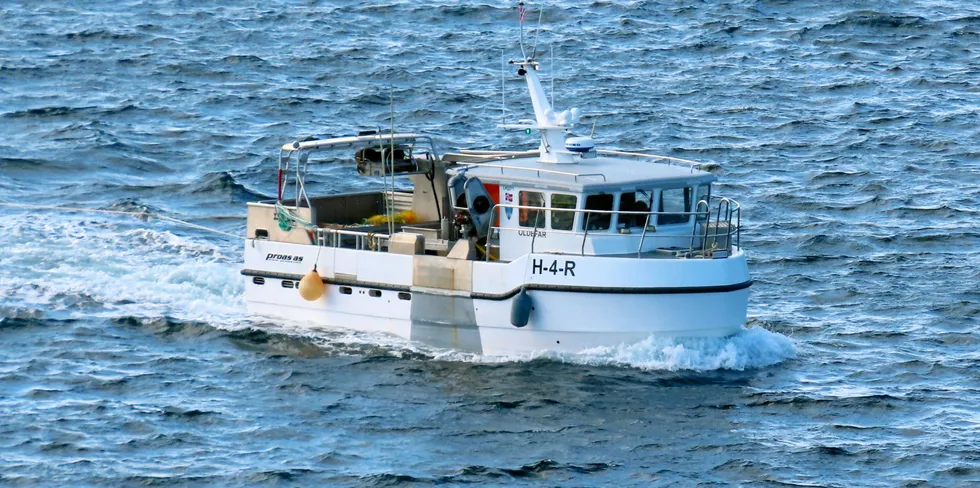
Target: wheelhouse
(614, 206)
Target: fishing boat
(565, 248)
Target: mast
(552, 129)
(551, 126)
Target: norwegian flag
(521, 10)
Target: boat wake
(73, 266)
(751, 348)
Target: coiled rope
(144, 214)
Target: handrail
(503, 155)
(331, 237)
(732, 232)
(725, 211)
(707, 220)
(585, 234)
(538, 171)
(643, 236)
(589, 210)
(693, 164)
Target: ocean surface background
(848, 130)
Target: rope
(143, 214)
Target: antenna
(391, 196)
(534, 48)
(521, 11)
(553, 75)
(503, 90)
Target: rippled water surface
(848, 130)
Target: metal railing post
(707, 223)
(486, 256)
(534, 235)
(588, 215)
(738, 228)
(643, 236)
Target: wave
(542, 468)
(877, 21)
(65, 111)
(100, 34)
(248, 59)
(223, 184)
(57, 111)
(30, 164)
(208, 188)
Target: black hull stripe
(331, 281)
(659, 290)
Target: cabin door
(517, 225)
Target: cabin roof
(596, 174)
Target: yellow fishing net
(406, 217)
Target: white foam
(50, 259)
(751, 348)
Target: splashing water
(109, 268)
(751, 348)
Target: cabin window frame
(688, 195)
(563, 210)
(523, 214)
(636, 221)
(587, 220)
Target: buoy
(311, 286)
(520, 309)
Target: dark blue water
(848, 130)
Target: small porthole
(375, 293)
(404, 296)
(287, 284)
(261, 234)
(346, 290)
(258, 280)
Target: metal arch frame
(308, 147)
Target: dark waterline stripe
(656, 290)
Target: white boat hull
(570, 313)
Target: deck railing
(351, 239)
(669, 161)
(715, 232)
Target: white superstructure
(564, 248)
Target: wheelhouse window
(597, 221)
(674, 202)
(638, 201)
(528, 216)
(562, 219)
